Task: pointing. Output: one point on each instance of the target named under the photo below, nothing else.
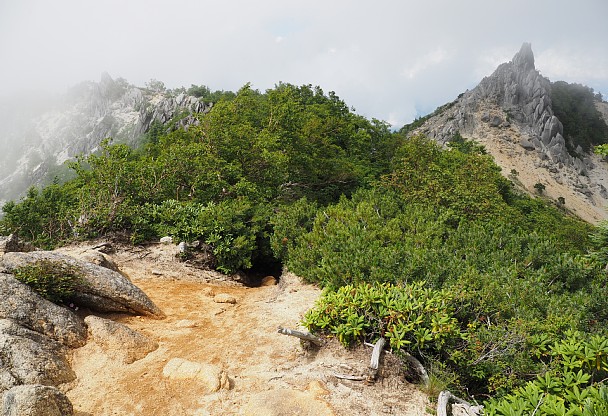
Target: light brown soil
(504, 146)
(269, 373)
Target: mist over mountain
(40, 133)
(470, 241)
(513, 112)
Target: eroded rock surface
(523, 94)
(209, 377)
(29, 357)
(105, 290)
(118, 340)
(21, 304)
(35, 400)
(511, 113)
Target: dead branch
(413, 362)
(348, 377)
(302, 335)
(445, 397)
(375, 361)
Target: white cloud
(572, 65)
(390, 59)
(431, 59)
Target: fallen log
(302, 335)
(444, 399)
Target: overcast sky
(389, 59)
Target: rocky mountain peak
(511, 113)
(524, 59)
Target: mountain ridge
(511, 113)
(78, 121)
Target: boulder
(104, 290)
(495, 121)
(209, 377)
(100, 259)
(12, 243)
(119, 341)
(526, 144)
(268, 281)
(31, 358)
(35, 400)
(21, 304)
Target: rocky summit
(511, 113)
(40, 134)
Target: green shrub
(289, 223)
(411, 317)
(234, 228)
(53, 281)
(45, 217)
(573, 384)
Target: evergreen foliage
(574, 105)
(429, 247)
(56, 282)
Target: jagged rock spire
(524, 59)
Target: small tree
(539, 187)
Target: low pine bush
(56, 282)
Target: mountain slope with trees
(430, 247)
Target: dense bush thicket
(428, 247)
(250, 155)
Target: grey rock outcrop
(13, 243)
(524, 96)
(119, 341)
(21, 304)
(29, 357)
(77, 123)
(104, 290)
(35, 400)
(511, 113)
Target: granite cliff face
(41, 135)
(511, 113)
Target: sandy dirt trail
(269, 373)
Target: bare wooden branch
(444, 399)
(104, 247)
(375, 361)
(442, 403)
(302, 335)
(418, 367)
(349, 377)
(413, 362)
